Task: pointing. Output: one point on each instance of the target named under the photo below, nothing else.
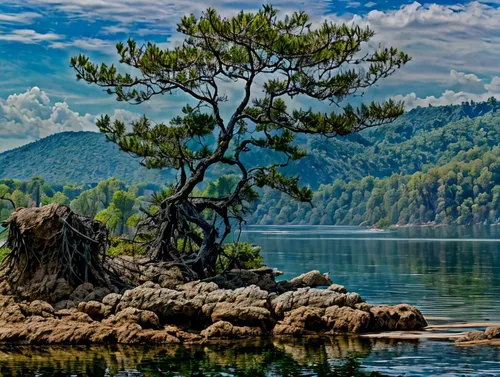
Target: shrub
(240, 255)
(120, 246)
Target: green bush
(240, 255)
(121, 247)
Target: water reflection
(262, 358)
(445, 271)
(339, 357)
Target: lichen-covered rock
(345, 319)
(396, 318)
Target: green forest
(437, 165)
(449, 174)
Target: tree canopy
(275, 59)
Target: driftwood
(51, 245)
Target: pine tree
(275, 59)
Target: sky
(455, 48)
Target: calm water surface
(447, 272)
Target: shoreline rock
(490, 336)
(197, 312)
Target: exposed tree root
(51, 246)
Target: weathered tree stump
(53, 248)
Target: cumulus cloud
(494, 85)
(32, 115)
(450, 97)
(464, 78)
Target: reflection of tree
(335, 358)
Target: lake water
(446, 272)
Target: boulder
(40, 308)
(244, 306)
(95, 310)
(311, 279)
(472, 336)
(10, 311)
(396, 318)
(337, 288)
(144, 318)
(346, 319)
(300, 321)
(112, 300)
(225, 330)
(80, 292)
(493, 332)
(319, 298)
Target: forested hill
(75, 157)
(446, 175)
(423, 136)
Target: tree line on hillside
(464, 191)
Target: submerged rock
(490, 336)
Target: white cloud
(124, 116)
(163, 12)
(32, 115)
(113, 29)
(450, 97)
(464, 78)
(370, 4)
(353, 4)
(463, 37)
(89, 44)
(29, 36)
(21, 18)
(494, 85)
